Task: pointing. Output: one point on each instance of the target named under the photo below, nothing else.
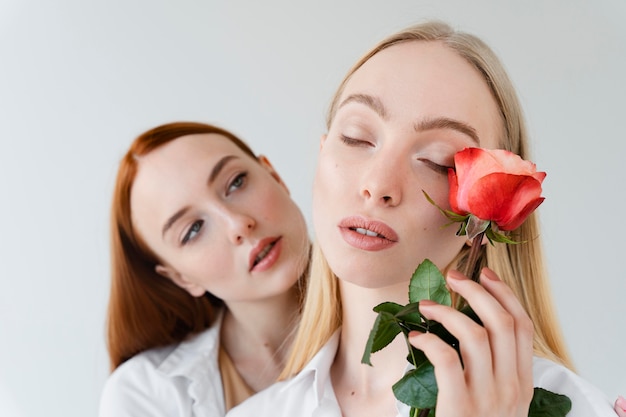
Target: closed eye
(193, 231)
(354, 142)
(442, 169)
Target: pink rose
(620, 406)
(494, 185)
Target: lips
(366, 234)
(264, 254)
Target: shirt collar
(318, 368)
(193, 354)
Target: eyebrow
(372, 102)
(180, 213)
(375, 104)
(214, 173)
(447, 123)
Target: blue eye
(237, 183)
(193, 231)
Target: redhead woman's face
(219, 220)
(401, 118)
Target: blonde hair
(521, 266)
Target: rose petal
(453, 194)
(506, 199)
(471, 164)
(512, 163)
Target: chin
(368, 276)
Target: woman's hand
(496, 376)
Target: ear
(265, 163)
(322, 140)
(177, 278)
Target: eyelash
(442, 169)
(195, 227)
(237, 182)
(354, 142)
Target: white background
(80, 79)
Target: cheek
(438, 189)
(329, 183)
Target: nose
(382, 183)
(240, 226)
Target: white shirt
(175, 381)
(310, 393)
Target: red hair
(145, 309)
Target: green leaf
(388, 307)
(455, 217)
(495, 236)
(427, 283)
(384, 330)
(549, 404)
(409, 314)
(418, 387)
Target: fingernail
(455, 275)
(414, 334)
(489, 274)
(427, 303)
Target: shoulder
(587, 400)
(168, 381)
(137, 385)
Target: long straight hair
(145, 309)
(521, 266)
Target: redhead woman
(394, 126)
(209, 253)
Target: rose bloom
(494, 185)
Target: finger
(498, 323)
(473, 339)
(448, 369)
(524, 331)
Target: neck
(358, 386)
(257, 336)
(266, 322)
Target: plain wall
(80, 79)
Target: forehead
(419, 79)
(168, 175)
(189, 149)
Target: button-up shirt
(310, 393)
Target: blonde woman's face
(221, 221)
(401, 118)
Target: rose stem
(472, 258)
(424, 412)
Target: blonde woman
(208, 251)
(396, 121)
